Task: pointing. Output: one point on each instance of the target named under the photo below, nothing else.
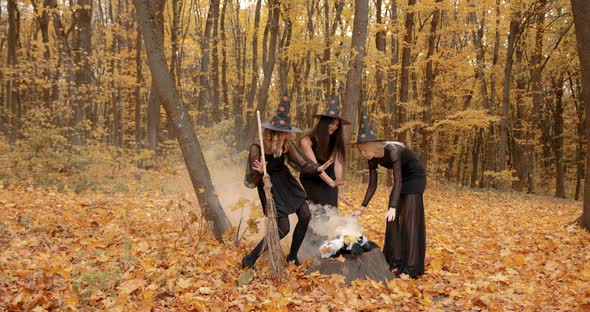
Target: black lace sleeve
(394, 154)
(372, 182)
(298, 160)
(252, 177)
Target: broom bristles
(272, 240)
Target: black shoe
(294, 259)
(247, 263)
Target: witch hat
(333, 111)
(366, 133)
(282, 119)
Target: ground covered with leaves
(141, 250)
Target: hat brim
(267, 125)
(344, 122)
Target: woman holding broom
(287, 194)
(405, 234)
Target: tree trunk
(205, 48)
(43, 21)
(506, 120)
(254, 82)
(380, 43)
(537, 85)
(581, 10)
(239, 97)
(352, 92)
(557, 140)
(189, 144)
(138, 80)
(580, 127)
(490, 163)
(404, 96)
(12, 101)
(392, 79)
(284, 44)
(82, 49)
(215, 105)
(224, 85)
(153, 110)
(269, 50)
(429, 86)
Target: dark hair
(329, 144)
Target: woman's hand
(344, 200)
(326, 165)
(390, 215)
(336, 183)
(258, 166)
(358, 212)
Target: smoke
(326, 223)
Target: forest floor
(149, 250)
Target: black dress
(405, 237)
(288, 196)
(317, 190)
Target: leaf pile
(151, 251)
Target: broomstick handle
(262, 157)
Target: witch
(405, 234)
(288, 196)
(325, 141)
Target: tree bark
(205, 48)
(82, 47)
(404, 96)
(491, 163)
(269, 50)
(12, 102)
(352, 91)
(557, 140)
(581, 10)
(254, 82)
(188, 141)
(506, 120)
(429, 85)
(138, 80)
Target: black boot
(247, 262)
(294, 259)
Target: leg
(414, 236)
(283, 226)
(303, 216)
(393, 247)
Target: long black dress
(317, 190)
(288, 196)
(405, 237)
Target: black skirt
(319, 192)
(405, 237)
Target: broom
(271, 237)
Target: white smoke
(326, 224)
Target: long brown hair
(329, 145)
(272, 139)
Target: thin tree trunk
(254, 83)
(557, 140)
(138, 80)
(353, 76)
(491, 142)
(225, 87)
(269, 50)
(82, 50)
(205, 48)
(12, 102)
(429, 85)
(506, 120)
(406, 59)
(153, 110)
(189, 144)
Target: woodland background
(487, 92)
(102, 166)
